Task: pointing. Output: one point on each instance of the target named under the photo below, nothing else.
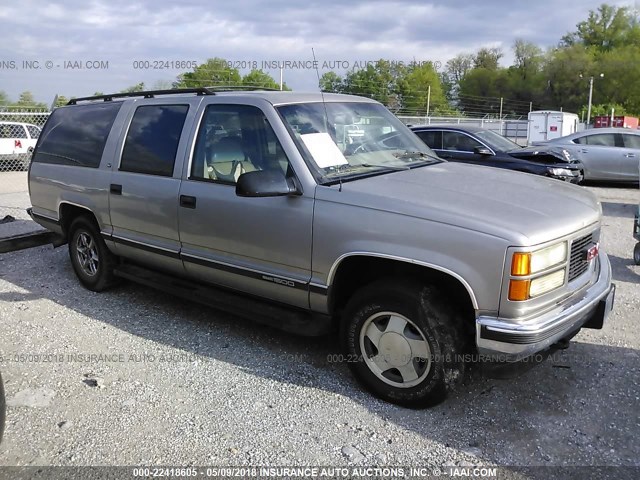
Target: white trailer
(548, 124)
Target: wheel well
(355, 272)
(68, 213)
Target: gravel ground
(14, 201)
(182, 384)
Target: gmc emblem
(592, 252)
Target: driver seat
(226, 160)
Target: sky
(78, 47)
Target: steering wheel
(374, 144)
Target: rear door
(145, 183)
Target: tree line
(605, 46)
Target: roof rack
(230, 88)
(145, 94)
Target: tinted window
(459, 142)
(234, 139)
(76, 135)
(433, 138)
(631, 141)
(10, 130)
(152, 140)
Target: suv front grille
(578, 263)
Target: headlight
(526, 264)
(562, 172)
(546, 283)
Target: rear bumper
(508, 340)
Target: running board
(297, 321)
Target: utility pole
(590, 97)
(428, 99)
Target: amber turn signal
(519, 290)
(521, 264)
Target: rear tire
(404, 343)
(636, 254)
(92, 261)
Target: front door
(260, 246)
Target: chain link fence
(19, 131)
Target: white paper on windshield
(324, 151)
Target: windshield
(497, 141)
(351, 139)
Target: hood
(545, 154)
(522, 208)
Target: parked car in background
(17, 141)
(480, 146)
(610, 154)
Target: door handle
(584, 150)
(630, 155)
(187, 201)
(115, 189)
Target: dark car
(485, 147)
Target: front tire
(636, 254)
(92, 261)
(403, 342)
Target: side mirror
(482, 151)
(266, 183)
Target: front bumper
(508, 340)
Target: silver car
(286, 208)
(610, 154)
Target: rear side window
(152, 141)
(76, 135)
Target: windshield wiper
(384, 167)
(349, 167)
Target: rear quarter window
(76, 135)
